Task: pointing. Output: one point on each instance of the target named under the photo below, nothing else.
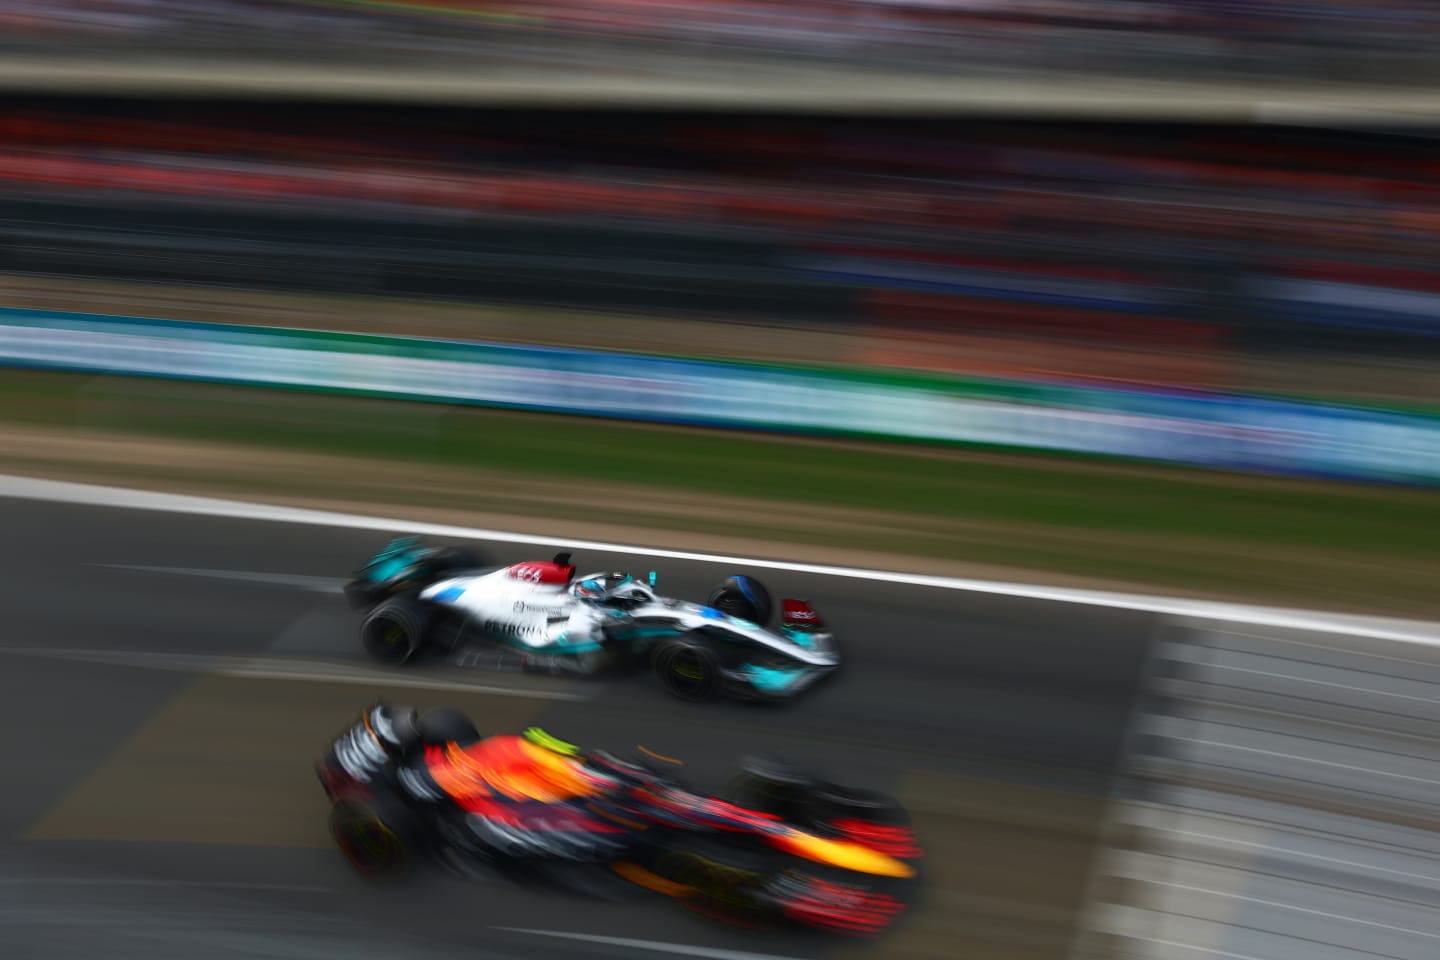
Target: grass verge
(1344, 546)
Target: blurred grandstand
(1322, 40)
(1193, 257)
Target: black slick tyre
(372, 846)
(743, 597)
(833, 802)
(687, 668)
(772, 786)
(395, 630)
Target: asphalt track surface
(166, 681)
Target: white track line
(30, 488)
(285, 668)
(28, 881)
(294, 580)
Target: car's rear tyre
(395, 630)
(744, 597)
(832, 802)
(373, 846)
(771, 786)
(687, 669)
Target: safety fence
(1247, 433)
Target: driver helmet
(601, 587)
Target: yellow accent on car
(846, 855)
(542, 739)
(637, 874)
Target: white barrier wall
(1232, 432)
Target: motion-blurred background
(1133, 295)
(1387, 40)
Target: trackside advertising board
(1216, 430)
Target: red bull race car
(407, 789)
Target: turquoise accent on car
(558, 648)
(710, 613)
(771, 679)
(561, 647)
(397, 546)
(797, 636)
(645, 633)
(394, 560)
(450, 594)
(390, 569)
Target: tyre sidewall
(372, 846)
(395, 630)
(688, 669)
(750, 600)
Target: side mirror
(653, 577)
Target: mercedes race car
(541, 616)
(408, 789)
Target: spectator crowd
(1175, 239)
(1274, 36)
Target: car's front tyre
(743, 597)
(371, 844)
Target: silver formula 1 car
(540, 616)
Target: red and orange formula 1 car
(785, 848)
